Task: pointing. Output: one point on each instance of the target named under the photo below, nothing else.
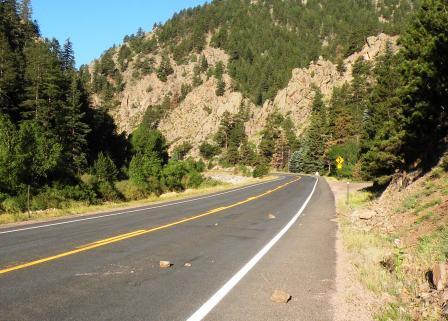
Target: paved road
(106, 267)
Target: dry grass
(392, 264)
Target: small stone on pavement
(165, 264)
(280, 296)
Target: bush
(132, 191)
(59, 196)
(45, 200)
(89, 180)
(15, 204)
(243, 170)
(193, 180)
(260, 170)
(108, 192)
(173, 174)
(208, 151)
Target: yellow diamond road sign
(339, 162)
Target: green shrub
(15, 204)
(108, 192)
(88, 179)
(208, 151)
(193, 180)
(243, 170)
(260, 170)
(45, 200)
(131, 190)
(173, 174)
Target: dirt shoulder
(350, 301)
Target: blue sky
(95, 25)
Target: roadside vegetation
(58, 150)
(394, 243)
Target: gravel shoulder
(350, 300)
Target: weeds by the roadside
(392, 261)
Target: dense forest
(56, 146)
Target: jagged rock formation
(197, 117)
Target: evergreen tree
(220, 88)
(104, 169)
(203, 63)
(9, 79)
(294, 162)
(164, 69)
(39, 153)
(75, 130)
(43, 85)
(68, 56)
(316, 136)
(425, 73)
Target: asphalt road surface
(106, 266)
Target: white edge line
(132, 211)
(226, 288)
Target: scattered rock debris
(279, 296)
(271, 216)
(188, 264)
(165, 264)
(439, 276)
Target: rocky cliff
(196, 118)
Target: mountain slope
(262, 44)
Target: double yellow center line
(121, 237)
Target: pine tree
(9, 79)
(223, 134)
(43, 85)
(105, 169)
(75, 130)
(220, 88)
(203, 63)
(316, 136)
(25, 10)
(68, 56)
(164, 69)
(425, 72)
(280, 156)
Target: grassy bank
(394, 241)
(80, 208)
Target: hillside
(395, 242)
(273, 54)
(197, 116)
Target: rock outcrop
(197, 117)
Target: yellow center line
(118, 238)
